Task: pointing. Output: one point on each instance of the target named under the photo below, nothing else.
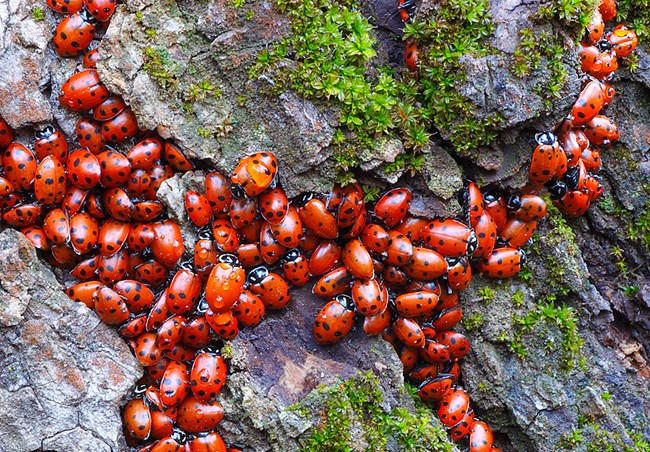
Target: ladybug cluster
(94, 211)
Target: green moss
(575, 14)
(473, 322)
(37, 14)
(636, 15)
(352, 418)
(593, 437)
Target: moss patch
(352, 418)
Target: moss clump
(37, 14)
(593, 437)
(636, 15)
(575, 14)
(352, 418)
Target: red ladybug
(102, 10)
(212, 442)
(208, 375)
(197, 333)
(274, 205)
(198, 208)
(168, 245)
(408, 331)
(226, 237)
(416, 304)
(272, 288)
(486, 234)
(137, 419)
(425, 265)
(19, 166)
(174, 157)
(217, 190)
(6, 133)
(113, 268)
(543, 165)
(370, 297)
(595, 28)
(357, 260)
(449, 238)
(573, 203)
(195, 416)
(65, 6)
(481, 438)
(350, 207)
(175, 384)
(411, 55)
(435, 388)
(121, 127)
(453, 407)
(138, 297)
(110, 307)
(146, 350)
(517, 232)
(89, 135)
(183, 292)
(602, 130)
(325, 258)
(295, 267)
(147, 211)
(457, 343)
(589, 103)
(248, 309)
(316, 217)
(623, 41)
(463, 428)
(225, 285)
(607, 9)
(530, 208)
(112, 236)
(270, 248)
(375, 238)
(496, 206)
(50, 141)
(109, 109)
(145, 154)
(84, 292)
(289, 231)
(84, 232)
(91, 58)
(74, 34)
(406, 9)
(243, 212)
(56, 227)
(36, 235)
(501, 263)
(22, 215)
(376, 324)
(84, 170)
(116, 169)
(393, 206)
(49, 181)
(459, 274)
(254, 174)
(224, 323)
(334, 321)
(573, 143)
(399, 249)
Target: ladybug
(84, 232)
(140, 237)
(145, 154)
(50, 141)
(602, 130)
(146, 350)
(374, 325)
(449, 238)
(272, 288)
(496, 207)
(138, 184)
(116, 169)
(409, 357)
(334, 321)
(74, 34)
(408, 331)
(89, 135)
(133, 327)
(517, 232)
(416, 304)
(573, 143)
(590, 158)
(137, 419)
(447, 319)
(481, 438)
(157, 176)
(117, 204)
(472, 200)
(425, 265)
(224, 286)
(56, 227)
(457, 343)
(243, 212)
(205, 257)
(158, 313)
(84, 293)
(406, 9)
(211, 442)
(501, 263)
(217, 190)
(36, 235)
(19, 166)
(350, 207)
(463, 428)
(248, 309)
(607, 9)
(90, 59)
(530, 208)
(162, 425)
(84, 170)
(357, 260)
(121, 127)
(325, 258)
(622, 40)
(374, 238)
(435, 388)
(608, 92)
(113, 268)
(370, 297)
(110, 307)
(109, 109)
(208, 375)
(459, 274)
(274, 205)
(573, 203)
(545, 159)
(197, 333)
(169, 444)
(270, 248)
(156, 371)
(486, 234)
(195, 416)
(49, 181)
(253, 174)
(393, 206)
(138, 297)
(112, 236)
(6, 134)
(225, 236)
(608, 62)
(175, 384)
(399, 249)
(174, 157)
(453, 407)
(22, 215)
(316, 217)
(183, 292)
(295, 267)
(357, 226)
(593, 187)
(224, 323)
(433, 352)
(595, 28)
(181, 352)
(102, 10)
(168, 245)
(249, 255)
(411, 55)
(289, 231)
(94, 206)
(198, 208)
(589, 103)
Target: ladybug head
(230, 259)
(139, 389)
(45, 133)
(345, 301)
(557, 189)
(203, 306)
(257, 275)
(501, 243)
(179, 436)
(472, 243)
(514, 203)
(238, 191)
(304, 198)
(604, 45)
(571, 178)
(205, 233)
(522, 257)
(87, 17)
(210, 350)
(546, 138)
(491, 196)
(291, 255)
(187, 265)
